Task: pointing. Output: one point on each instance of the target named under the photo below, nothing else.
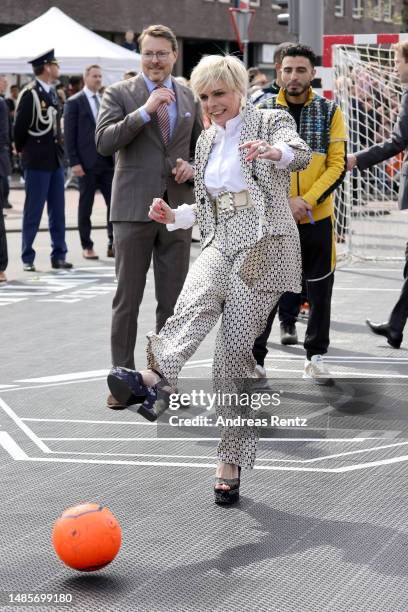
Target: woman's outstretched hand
(161, 212)
(261, 149)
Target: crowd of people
(254, 163)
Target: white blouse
(223, 171)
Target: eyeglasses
(161, 55)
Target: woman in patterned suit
(250, 255)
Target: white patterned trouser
(213, 288)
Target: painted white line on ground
(268, 459)
(6, 387)
(202, 438)
(352, 269)
(65, 377)
(346, 453)
(18, 454)
(280, 468)
(371, 464)
(30, 434)
(340, 375)
(376, 289)
(68, 382)
(334, 359)
(13, 449)
(172, 464)
(161, 456)
(11, 300)
(144, 423)
(13, 296)
(96, 269)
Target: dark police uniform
(4, 172)
(37, 135)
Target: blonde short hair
(226, 68)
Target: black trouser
(399, 313)
(3, 237)
(317, 245)
(289, 305)
(5, 190)
(97, 178)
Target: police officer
(37, 135)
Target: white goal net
(368, 222)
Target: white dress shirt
(172, 107)
(44, 85)
(90, 95)
(223, 171)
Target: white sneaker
(316, 371)
(260, 371)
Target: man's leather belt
(233, 201)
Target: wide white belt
(233, 201)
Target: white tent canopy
(75, 48)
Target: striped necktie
(163, 119)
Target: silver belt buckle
(230, 198)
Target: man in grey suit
(393, 328)
(152, 124)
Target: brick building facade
(204, 26)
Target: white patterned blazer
(273, 262)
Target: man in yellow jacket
(321, 124)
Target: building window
(339, 8)
(376, 10)
(357, 9)
(387, 10)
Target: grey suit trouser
(135, 245)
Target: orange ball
(87, 537)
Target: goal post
(358, 71)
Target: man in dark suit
(4, 172)
(37, 135)
(94, 171)
(4, 179)
(152, 123)
(393, 328)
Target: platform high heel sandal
(127, 386)
(230, 496)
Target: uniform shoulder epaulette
(27, 88)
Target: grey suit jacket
(394, 145)
(143, 162)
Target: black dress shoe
(394, 339)
(29, 267)
(60, 264)
(110, 252)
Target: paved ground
(322, 523)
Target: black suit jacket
(394, 145)
(79, 134)
(5, 168)
(39, 152)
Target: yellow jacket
(322, 127)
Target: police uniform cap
(45, 58)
